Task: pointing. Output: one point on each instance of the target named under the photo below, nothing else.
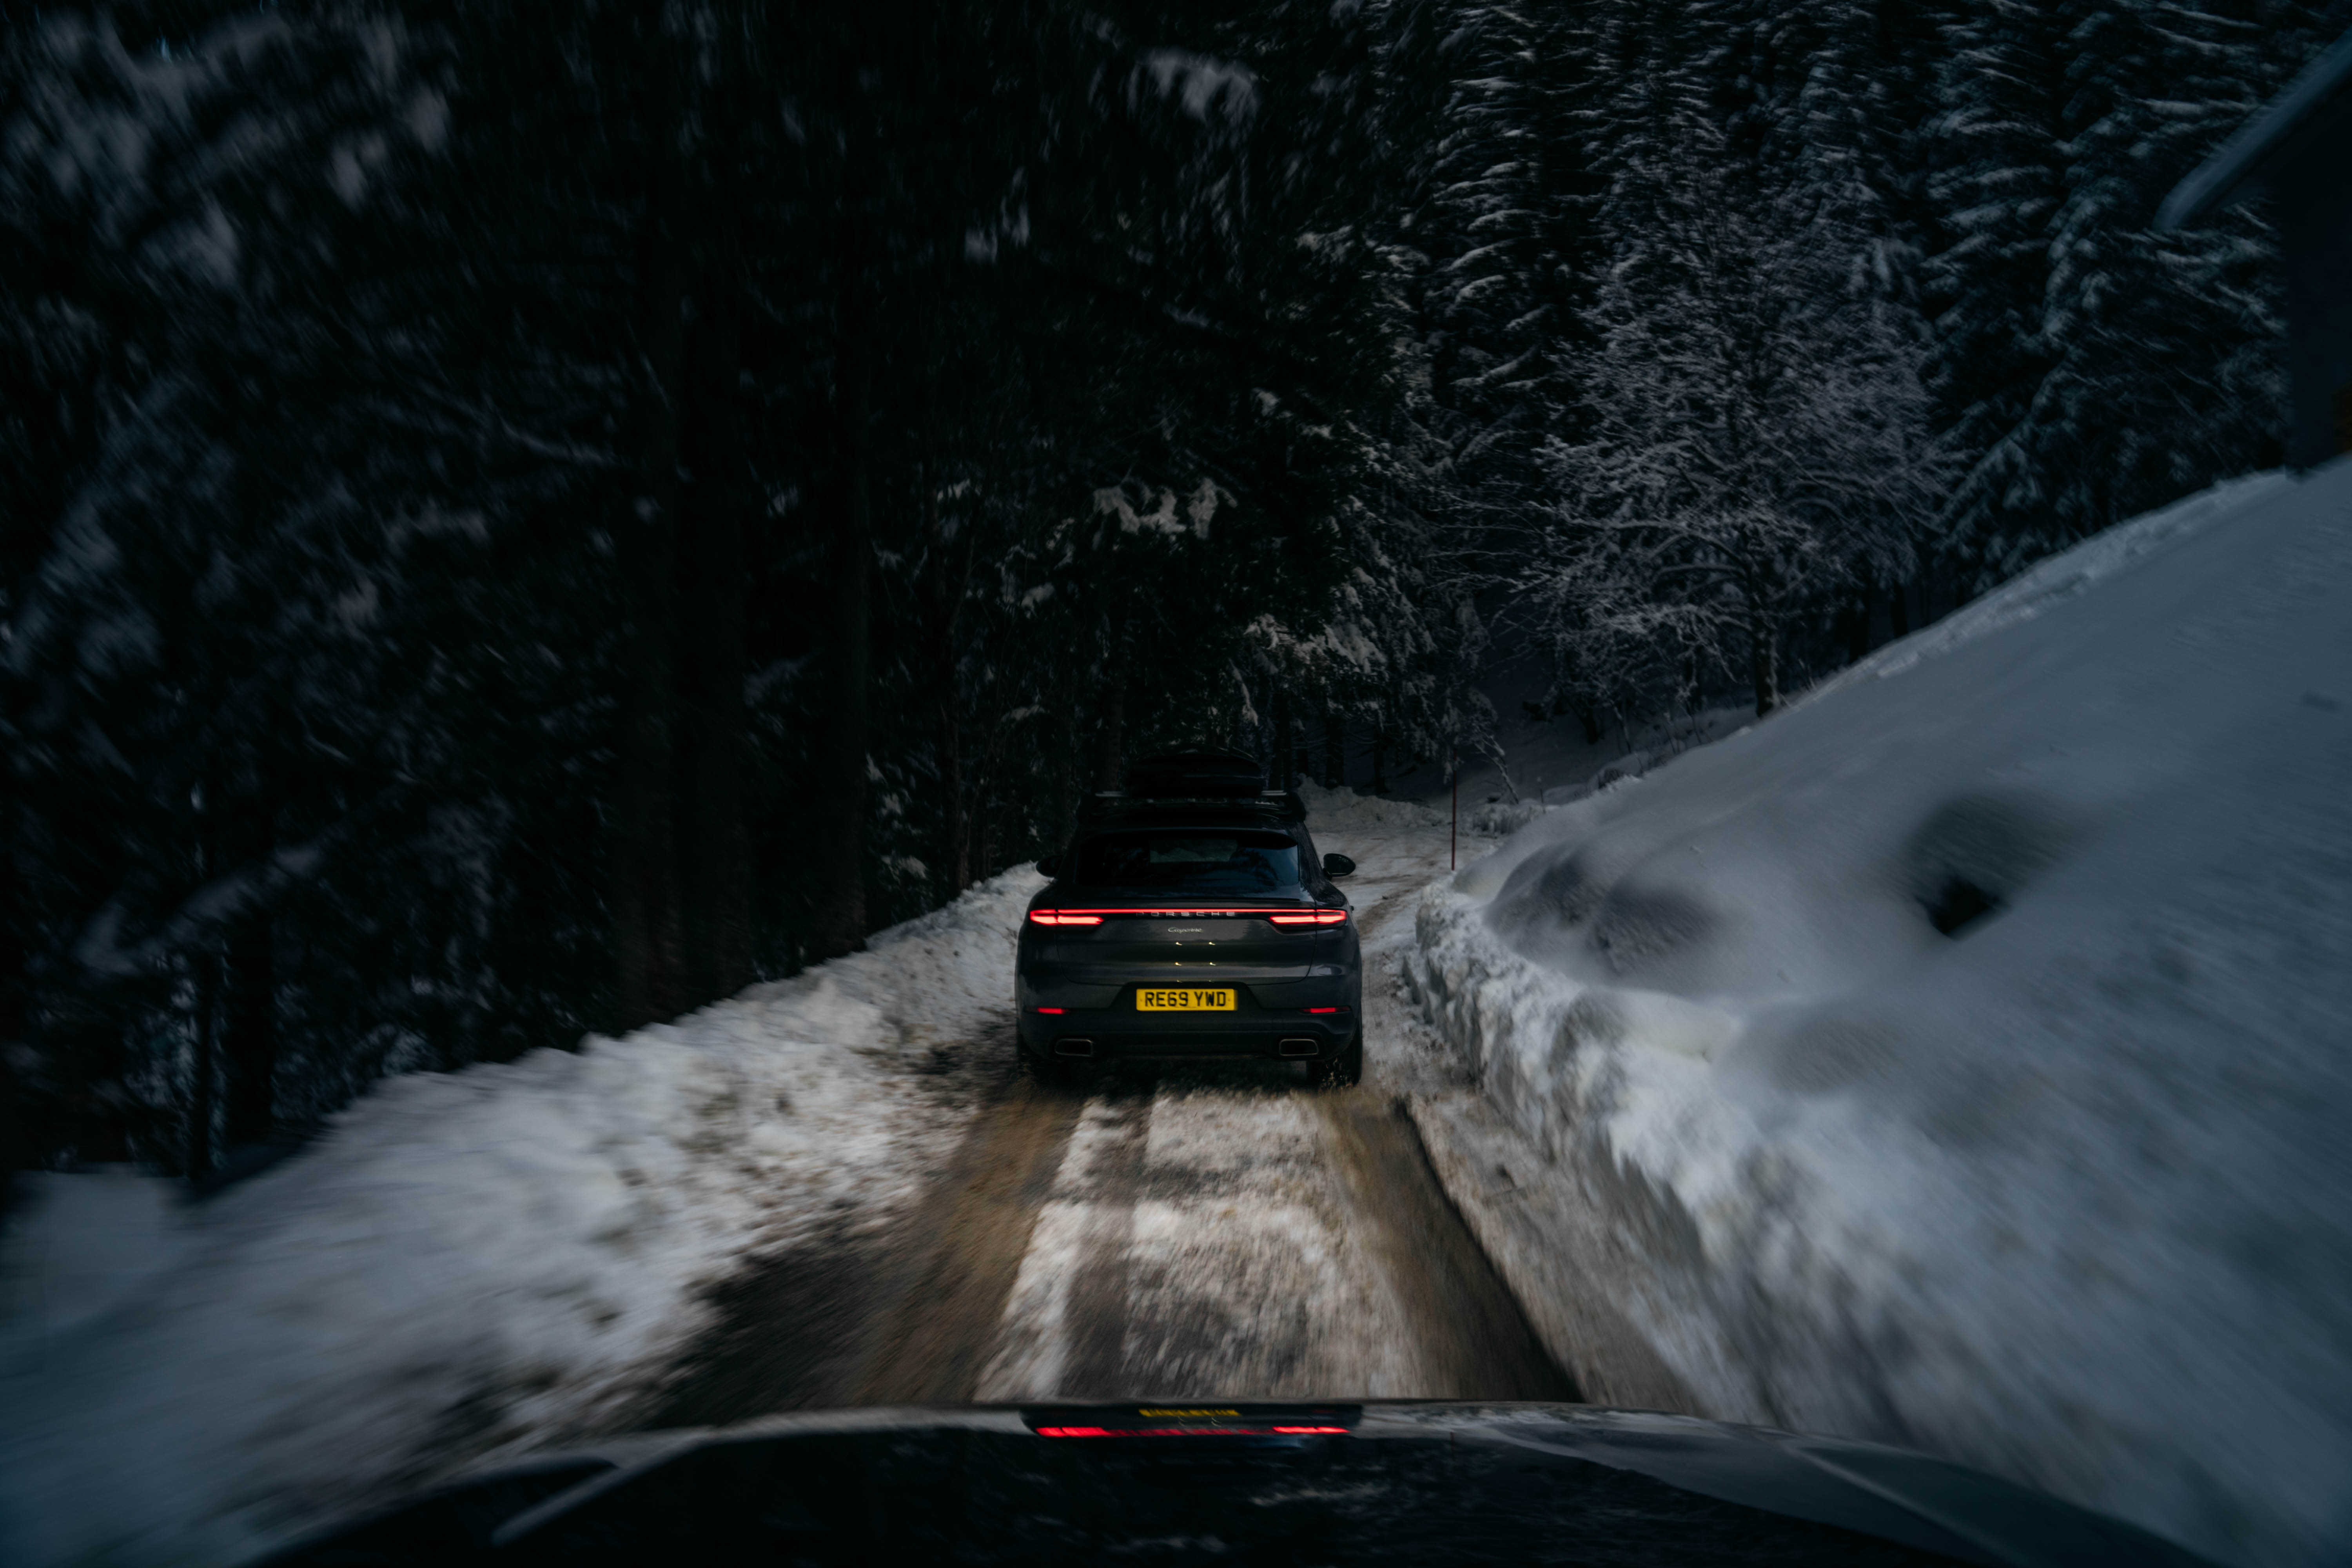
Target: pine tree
(1502, 226)
(2088, 369)
(1754, 430)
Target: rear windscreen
(1190, 861)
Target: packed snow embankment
(1960, 1060)
(468, 1262)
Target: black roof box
(1190, 811)
(1196, 775)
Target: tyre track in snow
(1196, 1233)
(902, 1313)
(1240, 1239)
(1096, 1309)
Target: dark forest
(521, 520)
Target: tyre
(1346, 1070)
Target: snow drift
(1962, 1060)
(467, 1261)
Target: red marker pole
(1454, 834)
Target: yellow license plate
(1149, 1001)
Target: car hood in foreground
(1185, 1480)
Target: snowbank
(467, 1261)
(1333, 812)
(1960, 1060)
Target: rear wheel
(1346, 1070)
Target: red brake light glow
(1191, 1432)
(1310, 917)
(1055, 1012)
(1327, 1009)
(1057, 918)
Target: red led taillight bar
(1193, 1432)
(1280, 917)
(1155, 1421)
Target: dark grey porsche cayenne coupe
(1191, 918)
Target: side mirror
(1338, 866)
(1049, 865)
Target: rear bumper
(1121, 1030)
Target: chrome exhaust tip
(1074, 1047)
(1297, 1048)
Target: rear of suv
(1190, 917)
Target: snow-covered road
(1225, 1232)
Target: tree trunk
(986, 810)
(211, 983)
(1279, 775)
(646, 982)
(713, 841)
(15, 1138)
(1763, 658)
(987, 815)
(950, 567)
(250, 1032)
(202, 1072)
(1854, 621)
(839, 922)
(1335, 747)
(1060, 738)
(955, 827)
(1936, 597)
(1880, 614)
(1110, 724)
(1379, 757)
